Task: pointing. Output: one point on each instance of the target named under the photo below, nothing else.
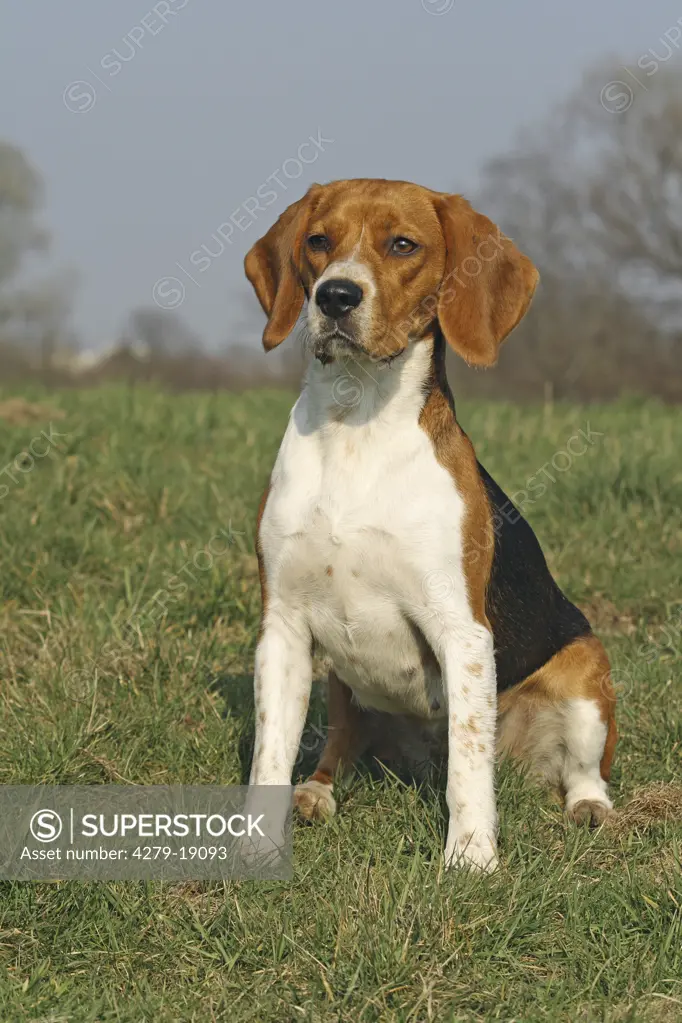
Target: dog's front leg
(282, 683)
(468, 666)
(283, 679)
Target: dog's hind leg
(561, 722)
(348, 736)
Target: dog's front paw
(263, 853)
(314, 800)
(475, 850)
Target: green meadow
(112, 671)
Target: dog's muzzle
(336, 299)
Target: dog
(384, 543)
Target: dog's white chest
(361, 526)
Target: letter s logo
(46, 825)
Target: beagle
(384, 543)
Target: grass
(574, 926)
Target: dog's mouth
(336, 343)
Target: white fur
(361, 540)
(563, 745)
(584, 736)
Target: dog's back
(532, 620)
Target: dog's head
(380, 262)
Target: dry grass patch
(653, 804)
(19, 412)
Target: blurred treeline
(593, 194)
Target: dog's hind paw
(314, 800)
(590, 812)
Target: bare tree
(161, 332)
(20, 197)
(31, 317)
(594, 195)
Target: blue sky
(154, 123)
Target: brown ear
(487, 285)
(272, 267)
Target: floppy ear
(487, 285)
(272, 267)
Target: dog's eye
(319, 243)
(403, 246)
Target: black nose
(337, 297)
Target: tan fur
(348, 732)
(488, 283)
(466, 272)
(271, 266)
(455, 452)
(581, 670)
